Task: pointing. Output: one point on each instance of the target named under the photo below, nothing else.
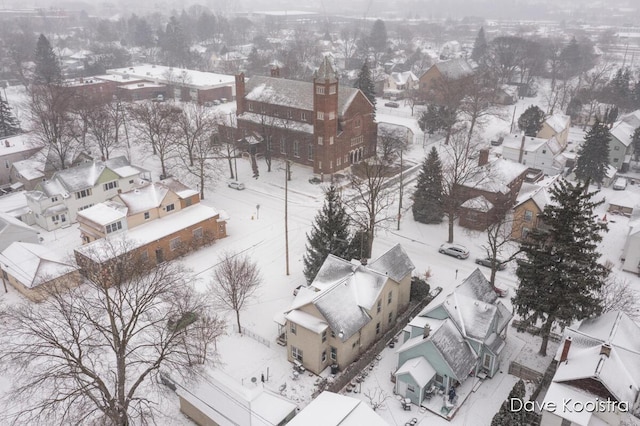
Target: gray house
(447, 343)
(620, 146)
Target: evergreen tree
(635, 96)
(329, 235)
(635, 140)
(480, 47)
(561, 276)
(430, 121)
(47, 66)
(378, 36)
(619, 88)
(9, 125)
(365, 83)
(428, 200)
(593, 156)
(506, 416)
(531, 120)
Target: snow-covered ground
(256, 227)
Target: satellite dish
(253, 380)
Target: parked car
(236, 185)
(501, 291)
(485, 261)
(435, 292)
(392, 104)
(455, 250)
(620, 184)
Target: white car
(455, 250)
(236, 185)
(620, 184)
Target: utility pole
(286, 217)
(400, 202)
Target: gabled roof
(537, 192)
(479, 203)
(401, 78)
(7, 221)
(292, 93)
(419, 368)
(454, 349)
(496, 175)
(104, 213)
(623, 132)
(455, 69)
(344, 291)
(33, 264)
(557, 122)
(145, 198)
(477, 287)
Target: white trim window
(296, 353)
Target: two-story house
(439, 81)
(13, 149)
(556, 125)
(346, 308)
(323, 124)
(448, 342)
(397, 84)
(598, 366)
(531, 202)
(491, 192)
(537, 153)
(620, 146)
(56, 202)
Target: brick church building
(320, 124)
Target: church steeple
(325, 120)
(326, 71)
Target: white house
(398, 83)
(12, 149)
(12, 229)
(620, 146)
(56, 202)
(556, 125)
(537, 153)
(598, 367)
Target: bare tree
(617, 294)
(157, 122)
(235, 281)
(52, 123)
(373, 196)
(376, 398)
(392, 141)
(194, 124)
(500, 247)
(199, 153)
(91, 354)
(460, 167)
(102, 124)
(478, 105)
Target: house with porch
(598, 366)
(347, 307)
(56, 202)
(452, 344)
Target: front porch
(439, 404)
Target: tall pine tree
(561, 276)
(480, 48)
(593, 156)
(428, 200)
(330, 234)
(365, 83)
(9, 124)
(47, 66)
(531, 120)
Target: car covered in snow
(236, 185)
(488, 262)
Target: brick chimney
(239, 93)
(483, 158)
(565, 349)
(605, 350)
(426, 331)
(363, 261)
(275, 72)
(524, 137)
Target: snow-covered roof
(30, 169)
(496, 175)
(394, 263)
(344, 291)
(479, 203)
(33, 264)
(14, 203)
(144, 198)
(454, 349)
(557, 122)
(17, 143)
(619, 372)
(477, 287)
(276, 121)
(455, 68)
(419, 368)
(332, 409)
(623, 132)
(179, 188)
(170, 75)
(474, 317)
(538, 192)
(152, 231)
(104, 213)
(7, 221)
(292, 93)
(401, 78)
(307, 321)
(559, 392)
(531, 144)
(226, 402)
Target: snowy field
(256, 227)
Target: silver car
(236, 185)
(455, 250)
